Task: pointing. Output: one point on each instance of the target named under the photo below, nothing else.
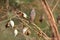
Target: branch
(51, 19)
(40, 31)
(55, 5)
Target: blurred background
(6, 7)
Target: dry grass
(7, 34)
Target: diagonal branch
(55, 5)
(40, 31)
(51, 20)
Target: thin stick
(51, 19)
(7, 19)
(55, 5)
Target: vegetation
(6, 13)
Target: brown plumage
(41, 18)
(7, 25)
(58, 19)
(20, 14)
(26, 31)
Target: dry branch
(51, 20)
(55, 5)
(40, 31)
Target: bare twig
(7, 19)
(51, 19)
(55, 5)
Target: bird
(11, 23)
(22, 14)
(32, 15)
(15, 32)
(25, 29)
